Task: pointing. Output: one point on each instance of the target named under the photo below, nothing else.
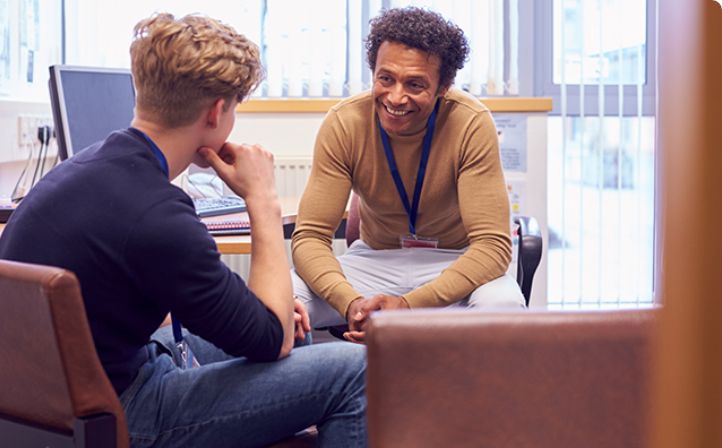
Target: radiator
(291, 175)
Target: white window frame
(543, 52)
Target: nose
(397, 95)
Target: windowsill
(322, 105)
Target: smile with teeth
(396, 112)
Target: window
(306, 54)
(600, 150)
(99, 33)
(597, 53)
(29, 43)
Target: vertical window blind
(601, 157)
(308, 53)
(311, 55)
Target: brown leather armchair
(502, 379)
(54, 390)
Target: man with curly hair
(111, 215)
(423, 159)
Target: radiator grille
(291, 176)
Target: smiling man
(424, 160)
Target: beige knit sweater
(463, 201)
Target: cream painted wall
(284, 134)
(12, 157)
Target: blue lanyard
(177, 335)
(155, 150)
(413, 208)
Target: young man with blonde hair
(111, 215)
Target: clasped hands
(360, 309)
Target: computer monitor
(89, 103)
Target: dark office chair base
(90, 431)
(338, 331)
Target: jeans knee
(348, 359)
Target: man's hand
(246, 169)
(356, 319)
(301, 320)
(360, 309)
(384, 302)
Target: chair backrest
(51, 377)
(530, 245)
(509, 379)
(529, 254)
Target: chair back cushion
(50, 372)
(498, 379)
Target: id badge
(188, 360)
(415, 241)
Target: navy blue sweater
(111, 216)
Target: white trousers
(397, 272)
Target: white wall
(12, 156)
(284, 134)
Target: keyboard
(219, 206)
(5, 212)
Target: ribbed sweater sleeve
(320, 212)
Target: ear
(442, 91)
(213, 116)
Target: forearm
(319, 214)
(477, 266)
(318, 267)
(269, 275)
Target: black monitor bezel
(57, 103)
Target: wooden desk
(241, 244)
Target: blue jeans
(235, 402)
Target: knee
(503, 292)
(348, 359)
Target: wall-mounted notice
(516, 190)
(512, 141)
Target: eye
(384, 78)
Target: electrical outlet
(28, 128)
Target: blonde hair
(181, 66)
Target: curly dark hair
(422, 29)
